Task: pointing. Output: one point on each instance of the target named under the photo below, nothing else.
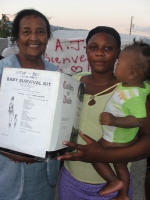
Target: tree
(5, 26)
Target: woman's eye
(40, 31)
(93, 48)
(108, 48)
(26, 32)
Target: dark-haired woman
(79, 180)
(18, 180)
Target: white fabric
(67, 50)
(10, 51)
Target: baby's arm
(124, 122)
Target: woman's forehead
(102, 38)
(32, 19)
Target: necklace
(92, 97)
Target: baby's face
(123, 66)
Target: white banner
(67, 51)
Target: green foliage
(5, 26)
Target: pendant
(91, 102)
(92, 97)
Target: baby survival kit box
(38, 111)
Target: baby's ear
(132, 74)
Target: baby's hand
(107, 119)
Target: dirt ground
(138, 170)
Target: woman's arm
(93, 152)
(17, 158)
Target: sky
(87, 14)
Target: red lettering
(57, 60)
(46, 58)
(76, 69)
(64, 100)
(64, 84)
(58, 45)
(89, 68)
(78, 44)
(64, 60)
(75, 60)
(52, 60)
(82, 59)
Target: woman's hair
(20, 15)
(141, 56)
(105, 29)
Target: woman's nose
(33, 36)
(99, 52)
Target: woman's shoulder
(79, 75)
(9, 61)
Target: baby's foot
(111, 187)
(121, 197)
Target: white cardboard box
(38, 110)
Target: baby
(128, 107)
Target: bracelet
(114, 121)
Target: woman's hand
(85, 152)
